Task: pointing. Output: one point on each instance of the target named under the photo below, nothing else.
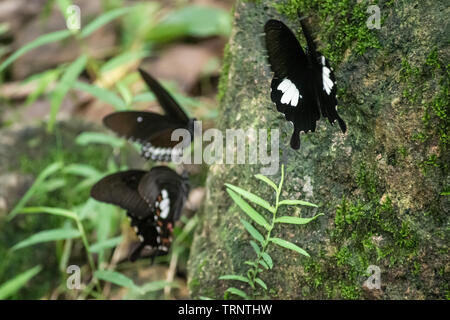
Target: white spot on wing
(327, 82)
(139, 119)
(164, 204)
(291, 95)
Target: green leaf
(252, 197)
(43, 80)
(10, 287)
(267, 259)
(194, 21)
(82, 170)
(237, 292)
(63, 5)
(46, 236)
(253, 232)
(296, 202)
(234, 277)
(101, 94)
(280, 185)
(144, 97)
(107, 244)
(296, 220)
(86, 138)
(117, 279)
(255, 247)
(49, 210)
(40, 41)
(204, 298)
(252, 213)
(48, 171)
(251, 263)
(68, 78)
(267, 181)
(289, 245)
(103, 19)
(122, 59)
(261, 262)
(261, 283)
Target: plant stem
(267, 239)
(89, 255)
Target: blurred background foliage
(56, 85)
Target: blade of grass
(40, 41)
(102, 94)
(86, 138)
(47, 236)
(49, 210)
(69, 77)
(48, 171)
(12, 286)
(103, 19)
(107, 244)
(117, 279)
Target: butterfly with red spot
(153, 199)
(153, 131)
(303, 86)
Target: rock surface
(382, 186)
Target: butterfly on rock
(303, 86)
(153, 200)
(153, 131)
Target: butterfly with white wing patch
(153, 201)
(153, 131)
(303, 86)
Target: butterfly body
(153, 131)
(303, 87)
(153, 200)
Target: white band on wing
(291, 95)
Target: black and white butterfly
(153, 199)
(153, 131)
(304, 85)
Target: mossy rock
(382, 186)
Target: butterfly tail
(342, 124)
(295, 140)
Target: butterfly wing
(121, 189)
(151, 130)
(326, 87)
(170, 106)
(154, 183)
(327, 93)
(165, 192)
(292, 90)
